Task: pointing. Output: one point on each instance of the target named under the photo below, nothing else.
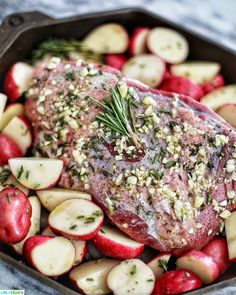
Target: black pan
(20, 33)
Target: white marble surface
(212, 18)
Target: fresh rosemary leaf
(117, 115)
(170, 164)
(62, 48)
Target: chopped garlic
(198, 201)
(230, 194)
(225, 214)
(230, 166)
(221, 139)
(132, 180)
(119, 179)
(123, 89)
(148, 111)
(147, 100)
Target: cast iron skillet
(20, 33)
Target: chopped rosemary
(97, 213)
(89, 220)
(70, 76)
(155, 158)
(133, 270)
(20, 172)
(4, 174)
(117, 115)
(169, 164)
(208, 198)
(165, 111)
(163, 264)
(89, 279)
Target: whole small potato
(15, 213)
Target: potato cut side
(131, 277)
(91, 277)
(168, 44)
(196, 71)
(220, 97)
(55, 196)
(107, 38)
(230, 230)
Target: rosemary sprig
(63, 48)
(117, 115)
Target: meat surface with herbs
(160, 165)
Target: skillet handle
(13, 24)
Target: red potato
(17, 80)
(219, 97)
(228, 112)
(183, 86)
(115, 60)
(107, 38)
(200, 264)
(3, 101)
(217, 82)
(51, 256)
(132, 277)
(18, 129)
(230, 231)
(53, 197)
(146, 68)
(176, 281)
(34, 224)
(168, 44)
(77, 219)
(8, 149)
(218, 251)
(91, 277)
(15, 214)
(11, 111)
(113, 243)
(12, 182)
(138, 41)
(196, 71)
(36, 173)
(158, 264)
(81, 248)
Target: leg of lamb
(167, 179)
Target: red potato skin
(182, 85)
(15, 214)
(113, 249)
(176, 281)
(115, 60)
(216, 82)
(133, 37)
(30, 244)
(208, 261)
(8, 149)
(85, 237)
(84, 253)
(217, 249)
(10, 87)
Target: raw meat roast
(169, 186)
